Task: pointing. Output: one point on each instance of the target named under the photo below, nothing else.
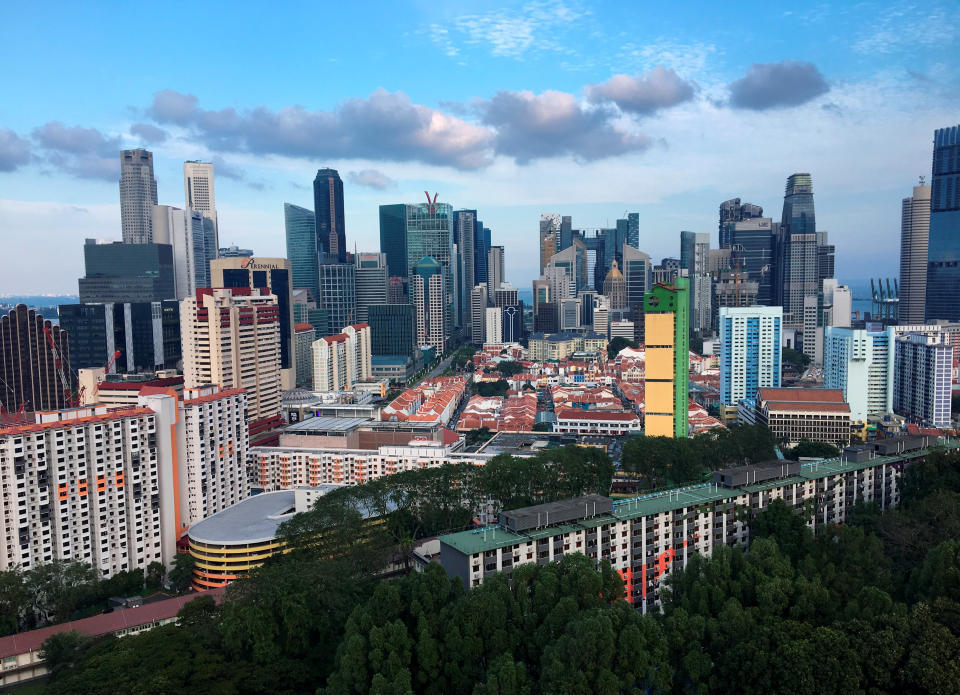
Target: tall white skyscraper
(494, 325)
(914, 242)
(191, 236)
(478, 307)
(749, 351)
(138, 195)
(199, 194)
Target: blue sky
(587, 109)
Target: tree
(493, 388)
(60, 650)
(781, 523)
(542, 427)
(807, 448)
(180, 575)
(508, 368)
(795, 357)
(617, 344)
(57, 588)
(15, 600)
(154, 575)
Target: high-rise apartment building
(341, 360)
(274, 275)
(127, 273)
(370, 272)
(328, 208)
(943, 251)
(89, 483)
(138, 195)
(797, 264)
(667, 334)
(749, 351)
(231, 338)
(922, 369)
(200, 196)
(146, 335)
(465, 237)
(427, 294)
(29, 376)
(479, 300)
(860, 363)
(300, 227)
(393, 329)
(495, 272)
(914, 241)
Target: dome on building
(298, 396)
(615, 288)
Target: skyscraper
(478, 306)
(127, 273)
(615, 288)
(633, 229)
(481, 251)
(393, 329)
(328, 208)
(338, 283)
(495, 268)
(731, 212)
(427, 294)
(429, 234)
(199, 195)
(190, 235)
(943, 253)
(752, 251)
(921, 373)
(370, 271)
(667, 335)
(464, 236)
(28, 372)
(826, 257)
(860, 363)
(549, 237)
(393, 239)
(797, 266)
(138, 195)
(914, 240)
(694, 257)
(231, 338)
(300, 227)
(749, 351)
(274, 275)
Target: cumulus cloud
(551, 124)
(149, 133)
(372, 178)
(385, 126)
(83, 152)
(643, 94)
(14, 150)
(777, 85)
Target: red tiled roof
(359, 326)
(578, 414)
(303, 327)
(802, 395)
(103, 624)
(117, 414)
(137, 385)
(811, 407)
(215, 396)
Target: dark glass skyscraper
(481, 249)
(328, 208)
(943, 253)
(754, 244)
(464, 236)
(301, 231)
(393, 238)
(127, 273)
(731, 212)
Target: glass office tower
(301, 231)
(328, 208)
(943, 252)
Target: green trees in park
(664, 461)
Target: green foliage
(508, 368)
(61, 650)
(795, 357)
(542, 427)
(666, 461)
(812, 449)
(181, 572)
(479, 435)
(617, 344)
(938, 471)
(493, 388)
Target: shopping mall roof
(253, 520)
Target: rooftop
(802, 395)
(316, 425)
(253, 520)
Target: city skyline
(503, 111)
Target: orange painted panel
(658, 329)
(659, 363)
(658, 425)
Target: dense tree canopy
(807, 448)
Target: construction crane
(11, 418)
(96, 387)
(58, 363)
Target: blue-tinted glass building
(393, 238)
(328, 208)
(301, 232)
(943, 251)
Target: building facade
(667, 335)
(370, 273)
(923, 364)
(393, 329)
(943, 251)
(860, 364)
(478, 307)
(428, 296)
(328, 208)
(797, 264)
(127, 273)
(305, 335)
(29, 377)
(231, 338)
(300, 228)
(914, 243)
(794, 414)
(200, 196)
(749, 351)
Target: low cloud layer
(533, 126)
(14, 150)
(777, 85)
(383, 126)
(150, 134)
(642, 94)
(371, 178)
(84, 152)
